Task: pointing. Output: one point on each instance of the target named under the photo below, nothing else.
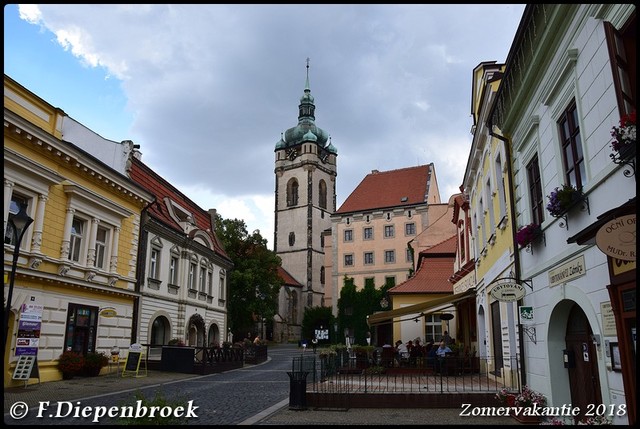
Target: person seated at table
(441, 352)
(416, 353)
(431, 356)
(402, 352)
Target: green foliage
(158, 401)
(254, 283)
(95, 360)
(354, 306)
(315, 317)
(70, 363)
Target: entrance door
(496, 329)
(583, 375)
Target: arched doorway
(582, 362)
(214, 336)
(196, 330)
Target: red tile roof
(388, 189)
(434, 270)
(161, 189)
(288, 279)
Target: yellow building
(486, 183)
(75, 274)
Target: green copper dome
(306, 130)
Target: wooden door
(583, 375)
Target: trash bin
(298, 390)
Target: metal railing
(343, 374)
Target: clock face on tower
(324, 156)
(292, 153)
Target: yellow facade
(62, 184)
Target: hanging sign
(108, 312)
(617, 238)
(508, 291)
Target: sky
(207, 90)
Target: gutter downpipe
(516, 253)
(140, 268)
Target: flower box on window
(528, 234)
(624, 136)
(562, 199)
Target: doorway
(584, 381)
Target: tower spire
(306, 86)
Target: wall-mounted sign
(608, 320)
(526, 315)
(508, 291)
(108, 312)
(569, 271)
(617, 238)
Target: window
(210, 283)
(368, 233)
(81, 328)
(322, 194)
(292, 238)
(192, 275)
(432, 328)
(368, 258)
(203, 279)
(502, 195)
(153, 263)
(101, 247)
(388, 231)
(572, 157)
(390, 281)
(409, 255)
(173, 270)
(322, 274)
(292, 193)
(222, 293)
(389, 256)
(348, 235)
(16, 202)
(77, 235)
(348, 260)
(535, 191)
(492, 220)
(160, 331)
(410, 229)
(622, 48)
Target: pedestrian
(446, 338)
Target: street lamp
(19, 224)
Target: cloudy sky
(207, 90)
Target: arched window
(321, 275)
(322, 194)
(292, 238)
(292, 193)
(160, 331)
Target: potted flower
(505, 397)
(562, 199)
(527, 234)
(70, 364)
(94, 362)
(624, 136)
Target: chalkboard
(133, 362)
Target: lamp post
(19, 224)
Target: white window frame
(389, 231)
(102, 248)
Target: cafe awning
(428, 307)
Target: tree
(254, 283)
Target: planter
(526, 419)
(177, 359)
(68, 375)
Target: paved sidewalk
(83, 388)
(86, 387)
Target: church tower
(305, 199)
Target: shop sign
(617, 238)
(108, 312)
(569, 271)
(508, 291)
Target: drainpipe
(516, 254)
(140, 269)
